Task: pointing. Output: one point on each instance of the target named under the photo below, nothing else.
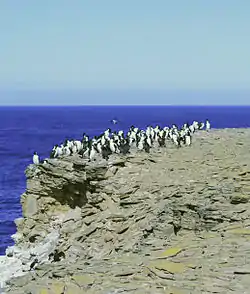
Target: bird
(208, 125)
(35, 158)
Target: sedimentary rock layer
(172, 221)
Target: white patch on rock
(73, 214)
(17, 260)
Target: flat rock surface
(172, 221)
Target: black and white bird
(35, 158)
(208, 125)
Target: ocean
(24, 130)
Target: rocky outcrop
(172, 221)
(53, 207)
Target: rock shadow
(71, 194)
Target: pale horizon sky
(157, 45)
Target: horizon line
(122, 89)
(126, 105)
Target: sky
(99, 46)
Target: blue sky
(156, 45)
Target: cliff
(172, 221)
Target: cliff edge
(172, 221)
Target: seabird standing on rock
(109, 142)
(125, 147)
(106, 133)
(106, 152)
(34, 262)
(74, 149)
(92, 152)
(201, 125)
(112, 146)
(176, 139)
(208, 125)
(56, 151)
(66, 150)
(35, 158)
(146, 146)
(187, 139)
(140, 144)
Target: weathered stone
(171, 267)
(44, 291)
(90, 219)
(164, 222)
(83, 280)
(73, 214)
(242, 271)
(108, 237)
(20, 281)
(240, 231)
(72, 288)
(29, 205)
(160, 274)
(90, 230)
(57, 287)
(122, 229)
(239, 198)
(170, 252)
(111, 171)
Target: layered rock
(172, 220)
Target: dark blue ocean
(24, 130)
